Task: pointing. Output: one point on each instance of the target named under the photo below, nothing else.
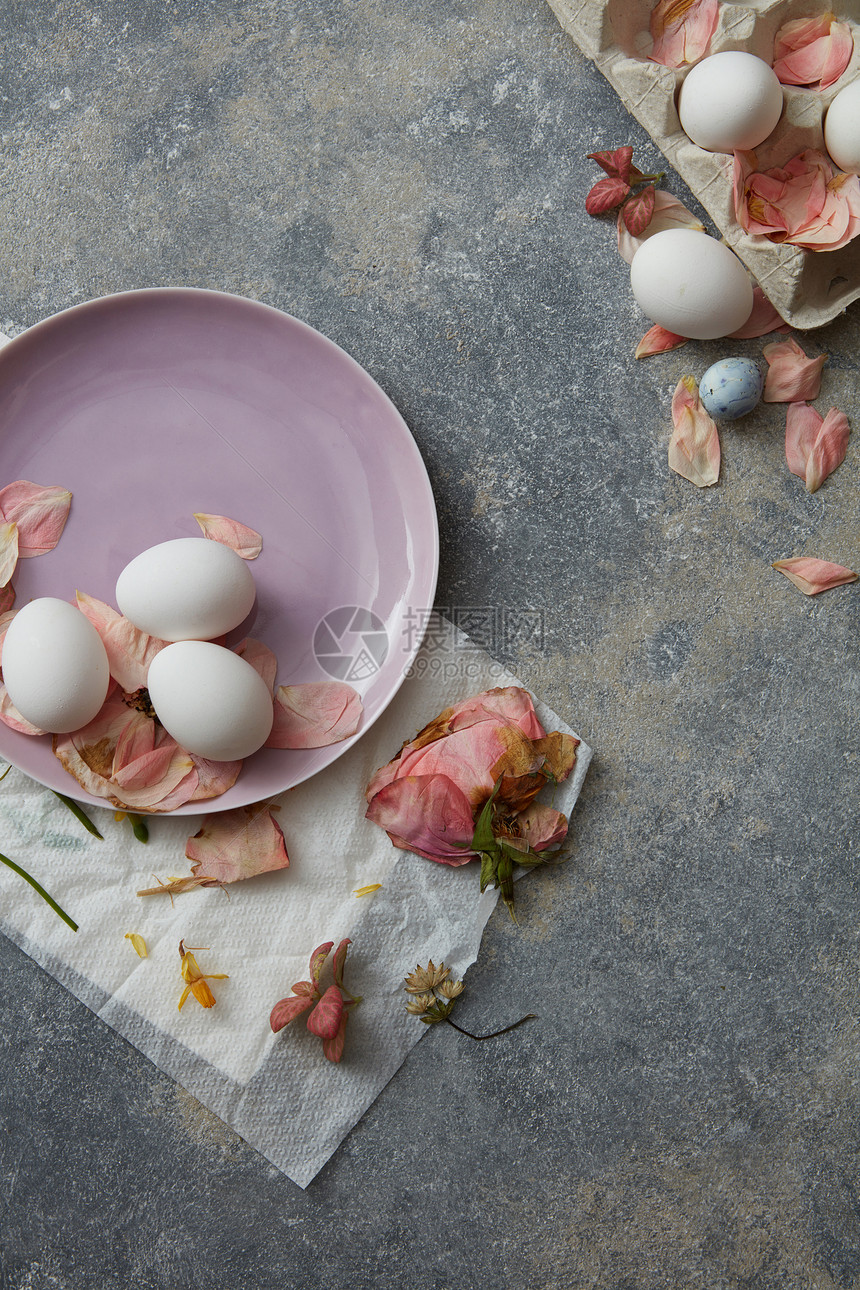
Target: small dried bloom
(450, 989)
(423, 979)
(420, 1004)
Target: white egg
(186, 589)
(691, 284)
(842, 128)
(54, 665)
(210, 700)
(730, 102)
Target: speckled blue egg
(731, 388)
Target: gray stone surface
(409, 178)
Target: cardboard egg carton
(808, 288)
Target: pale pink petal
(838, 55)
(39, 510)
(682, 30)
(812, 51)
(218, 528)
(828, 450)
(213, 777)
(792, 377)
(427, 814)
(804, 203)
(543, 827)
(238, 844)
(802, 424)
(261, 658)
(813, 576)
(8, 551)
(10, 716)
(762, 321)
(694, 449)
(314, 715)
(669, 213)
(814, 445)
(129, 650)
(658, 340)
(510, 704)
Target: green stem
(528, 1017)
(41, 890)
(647, 179)
(79, 814)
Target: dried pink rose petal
(7, 598)
(213, 777)
(812, 576)
(682, 30)
(39, 510)
(261, 658)
(238, 844)
(694, 449)
(543, 827)
(762, 321)
(314, 715)
(244, 541)
(805, 202)
(657, 340)
(792, 377)
(11, 717)
(8, 551)
(668, 213)
(126, 758)
(130, 651)
(812, 51)
(814, 445)
(427, 814)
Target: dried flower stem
(530, 1016)
(41, 890)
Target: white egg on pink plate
(186, 589)
(210, 700)
(55, 667)
(691, 284)
(730, 102)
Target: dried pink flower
(329, 1009)
(805, 202)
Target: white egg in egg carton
(807, 288)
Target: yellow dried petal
(138, 943)
(367, 891)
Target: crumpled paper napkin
(277, 1091)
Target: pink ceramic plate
(152, 405)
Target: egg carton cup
(807, 288)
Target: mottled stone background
(409, 177)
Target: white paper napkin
(277, 1091)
